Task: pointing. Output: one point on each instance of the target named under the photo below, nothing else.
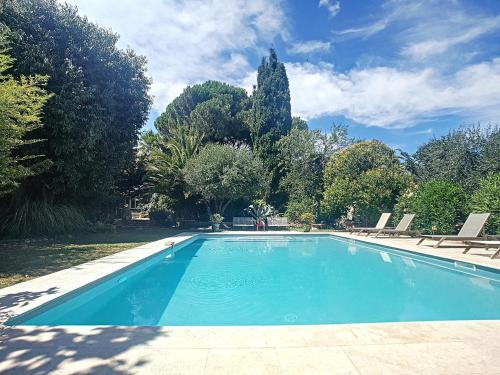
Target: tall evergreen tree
(270, 117)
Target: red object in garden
(260, 224)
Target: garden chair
(243, 222)
(382, 222)
(401, 228)
(471, 229)
(281, 222)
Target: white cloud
(395, 11)
(309, 46)
(430, 47)
(333, 8)
(188, 42)
(392, 98)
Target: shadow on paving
(93, 350)
(20, 299)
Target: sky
(399, 71)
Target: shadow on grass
(89, 350)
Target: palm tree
(167, 155)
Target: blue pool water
(242, 280)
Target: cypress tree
(270, 117)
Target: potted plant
(307, 220)
(260, 211)
(216, 220)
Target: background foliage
(221, 174)
(366, 177)
(100, 99)
(439, 206)
(21, 103)
(487, 199)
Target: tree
(487, 199)
(300, 164)
(214, 108)
(21, 103)
(270, 116)
(101, 99)
(462, 156)
(366, 177)
(299, 123)
(439, 206)
(302, 158)
(165, 157)
(221, 174)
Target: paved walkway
(462, 347)
(391, 348)
(449, 249)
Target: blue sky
(399, 71)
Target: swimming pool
(280, 279)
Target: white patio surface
(460, 347)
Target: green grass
(24, 261)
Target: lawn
(24, 261)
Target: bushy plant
(366, 178)
(160, 211)
(439, 206)
(221, 174)
(296, 208)
(260, 210)
(307, 220)
(216, 218)
(487, 199)
(40, 218)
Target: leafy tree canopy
(101, 98)
(302, 157)
(214, 108)
(299, 123)
(21, 102)
(367, 177)
(221, 174)
(462, 156)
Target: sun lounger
(401, 228)
(471, 230)
(243, 222)
(495, 245)
(382, 222)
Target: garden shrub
(296, 208)
(487, 199)
(439, 206)
(40, 218)
(160, 211)
(307, 219)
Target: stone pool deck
(460, 347)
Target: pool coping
(25, 297)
